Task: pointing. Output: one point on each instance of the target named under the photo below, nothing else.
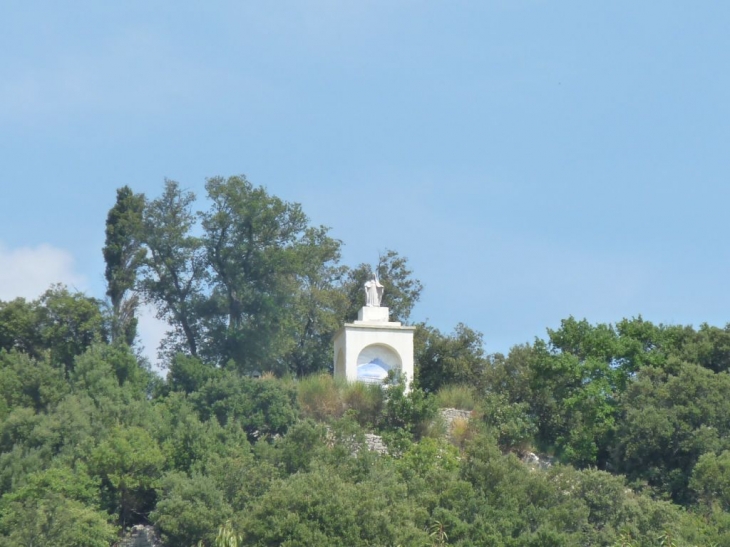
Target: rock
(375, 443)
(140, 535)
(451, 414)
(533, 460)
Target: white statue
(373, 292)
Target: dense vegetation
(635, 416)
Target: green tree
(19, 329)
(174, 270)
(60, 325)
(29, 382)
(129, 463)
(514, 502)
(123, 254)
(578, 376)
(710, 480)
(265, 261)
(511, 423)
(189, 374)
(321, 508)
(401, 291)
(53, 520)
(668, 421)
(575, 380)
(298, 448)
(30, 442)
(709, 347)
(190, 509)
(448, 359)
(57, 506)
(319, 305)
(510, 376)
(263, 407)
(69, 323)
(410, 412)
(185, 440)
(426, 457)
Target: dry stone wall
(376, 444)
(140, 536)
(451, 414)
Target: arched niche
(375, 361)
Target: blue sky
(534, 160)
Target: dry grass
(366, 400)
(320, 397)
(460, 432)
(456, 396)
(323, 398)
(435, 428)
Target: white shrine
(372, 346)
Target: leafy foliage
(263, 408)
(446, 360)
(129, 463)
(123, 254)
(636, 414)
(410, 412)
(60, 323)
(401, 291)
(670, 421)
(53, 520)
(174, 270)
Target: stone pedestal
(371, 346)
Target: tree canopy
(248, 440)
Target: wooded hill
(634, 415)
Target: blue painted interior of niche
(374, 371)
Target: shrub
(412, 412)
(437, 427)
(264, 408)
(460, 432)
(511, 423)
(365, 400)
(320, 397)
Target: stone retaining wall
(140, 536)
(376, 444)
(451, 414)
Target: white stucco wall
(368, 334)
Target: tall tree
(174, 270)
(261, 286)
(401, 290)
(319, 304)
(255, 246)
(575, 379)
(123, 254)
